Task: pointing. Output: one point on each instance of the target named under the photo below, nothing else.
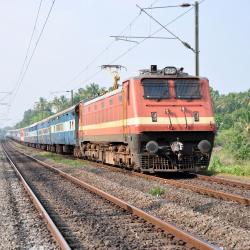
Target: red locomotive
(159, 121)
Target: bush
(236, 141)
(217, 165)
(157, 191)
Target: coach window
(111, 101)
(103, 105)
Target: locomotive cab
(170, 121)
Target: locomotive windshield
(155, 88)
(187, 89)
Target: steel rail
(42, 212)
(198, 189)
(169, 228)
(223, 181)
(179, 184)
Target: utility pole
(72, 97)
(66, 91)
(187, 45)
(197, 59)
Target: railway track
(199, 189)
(222, 181)
(224, 195)
(21, 226)
(85, 216)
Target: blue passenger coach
(56, 133)
(43, 132)
(62, 130)
(30, 134)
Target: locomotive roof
(111, 93)
(160, 74)
(146, 73)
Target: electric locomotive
(158, 121)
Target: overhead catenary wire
(26, 55)
(107, 47)
(30, 41)
(164, 27)
(140, 42)
(33, 52)
(6, 94)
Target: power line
(169, 31)
(6, 94)
(103, 51)
(140, 42)
(30, 41)
(168, 6)
(151, 35)
(127, 38)
(154, 33)
(34, 49)
(28, 48)
(109, 45)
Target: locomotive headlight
(196, 116)
(154, 116)
(170, 71)
(152, 147)
(204, 146)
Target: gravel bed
(219, 187)
(88, 221)
(223, 223)
(20, 225)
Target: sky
(76, 42)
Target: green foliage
(219, 165)
(231, 102)
(61, 159)
(43, 108)
(232, 114)
(157, 191)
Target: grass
(61, 159)
(223, 162)
(157, 191)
